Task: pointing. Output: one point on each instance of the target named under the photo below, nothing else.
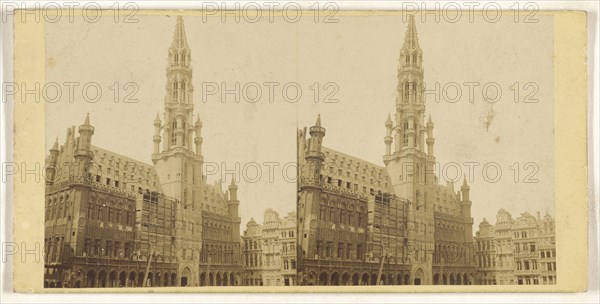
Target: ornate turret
(233, 205)
(198, 138)
(314, 156)
(465, 190)
(430, 139)
(388, 135)
(156, 138)
(51, 168)
(316, 139)
(465, 209)
(84, 144)
(233, 191)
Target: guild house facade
(112, 221)
(361, 223)
(516, 251)
(269, 250)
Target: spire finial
(318, 123)
(465, 181)
(179, 39)
(429, 119)
(55, 146)
(87, 119)
(157, 119)
(411, 41)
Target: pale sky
(358, 54)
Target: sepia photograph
(435, 167)
(310, 148)
(152, 181)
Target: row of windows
(184, 57)
(289, 264)
(287, 234)
(253, 260)
(412, 58)
(527, 265)
(487, 261)
(348, 185)
(528, 281)
(525, 247)
(341, 216)
(258, 244)
(220, 257)
(546, 280)
(346, 251)
(524, 234)
(107, 248)
(549, 280)
(58, 210)
(285, 248)
(548, 253)
(179, 94)
(349, 165)
(53, 248)
(550, 266)
(129, 166)
(116, 183)
(102, 212)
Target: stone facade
(516, 251)
(363, 224)
(269, 251)
(112, 221)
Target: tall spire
(179, 39)
(87, 119)
(179, 104)
(318, 123)
(410, 120)
(411, 41)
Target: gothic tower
(178, 160)
(410, 164)
(310, 190)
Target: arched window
(90, 214)
(173, 137)
(182, 89)
(60, 210)
(418, 199)
(174, 91)
(176, 57)
(183, 127)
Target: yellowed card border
(570, 108)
